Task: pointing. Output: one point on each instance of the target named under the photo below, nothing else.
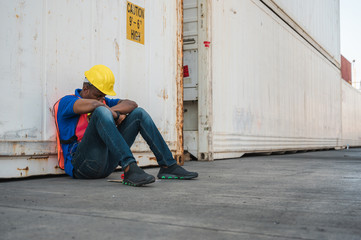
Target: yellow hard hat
(102, 78)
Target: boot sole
(171, 176)
(139, 184)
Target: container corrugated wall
(47, 45)
(271, 89)
(319, 19)
(351, 115)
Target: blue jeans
(106, 146)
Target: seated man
(96, 133)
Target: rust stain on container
(163, 94)
(164, 18)
(14, 147)
(179, 155)
(180, 159)
(23, 169)
(153, 159)
(46, 158)
(116, 49)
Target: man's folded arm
(125, 106)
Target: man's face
(92, 92)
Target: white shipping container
(278, 91)
(47, 46)
(263, 76)
(266, 84)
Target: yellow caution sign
(135, 23)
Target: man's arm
(82, 106)
(125, 106)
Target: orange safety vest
(77, 137)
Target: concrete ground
(313, 195)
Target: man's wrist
(118, 115)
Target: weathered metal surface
(205, 79)
(191, 22)
(179, 84)
(351, 115)
(317, 21)
(271, 89)
(23, 166)
(190, 58)
(26, 148)
(190, 49)
(191, 142)
(47, 46)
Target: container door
(190, 76)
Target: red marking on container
(207, 44)
(185, 71)
(346, 70)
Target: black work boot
(175, 172)
(135, 176)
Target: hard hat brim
(110, 93)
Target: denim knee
(140, 113)
(103, 113)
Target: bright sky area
(350, 23)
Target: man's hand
(120, 120)
(82, 106)
(125, 106)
